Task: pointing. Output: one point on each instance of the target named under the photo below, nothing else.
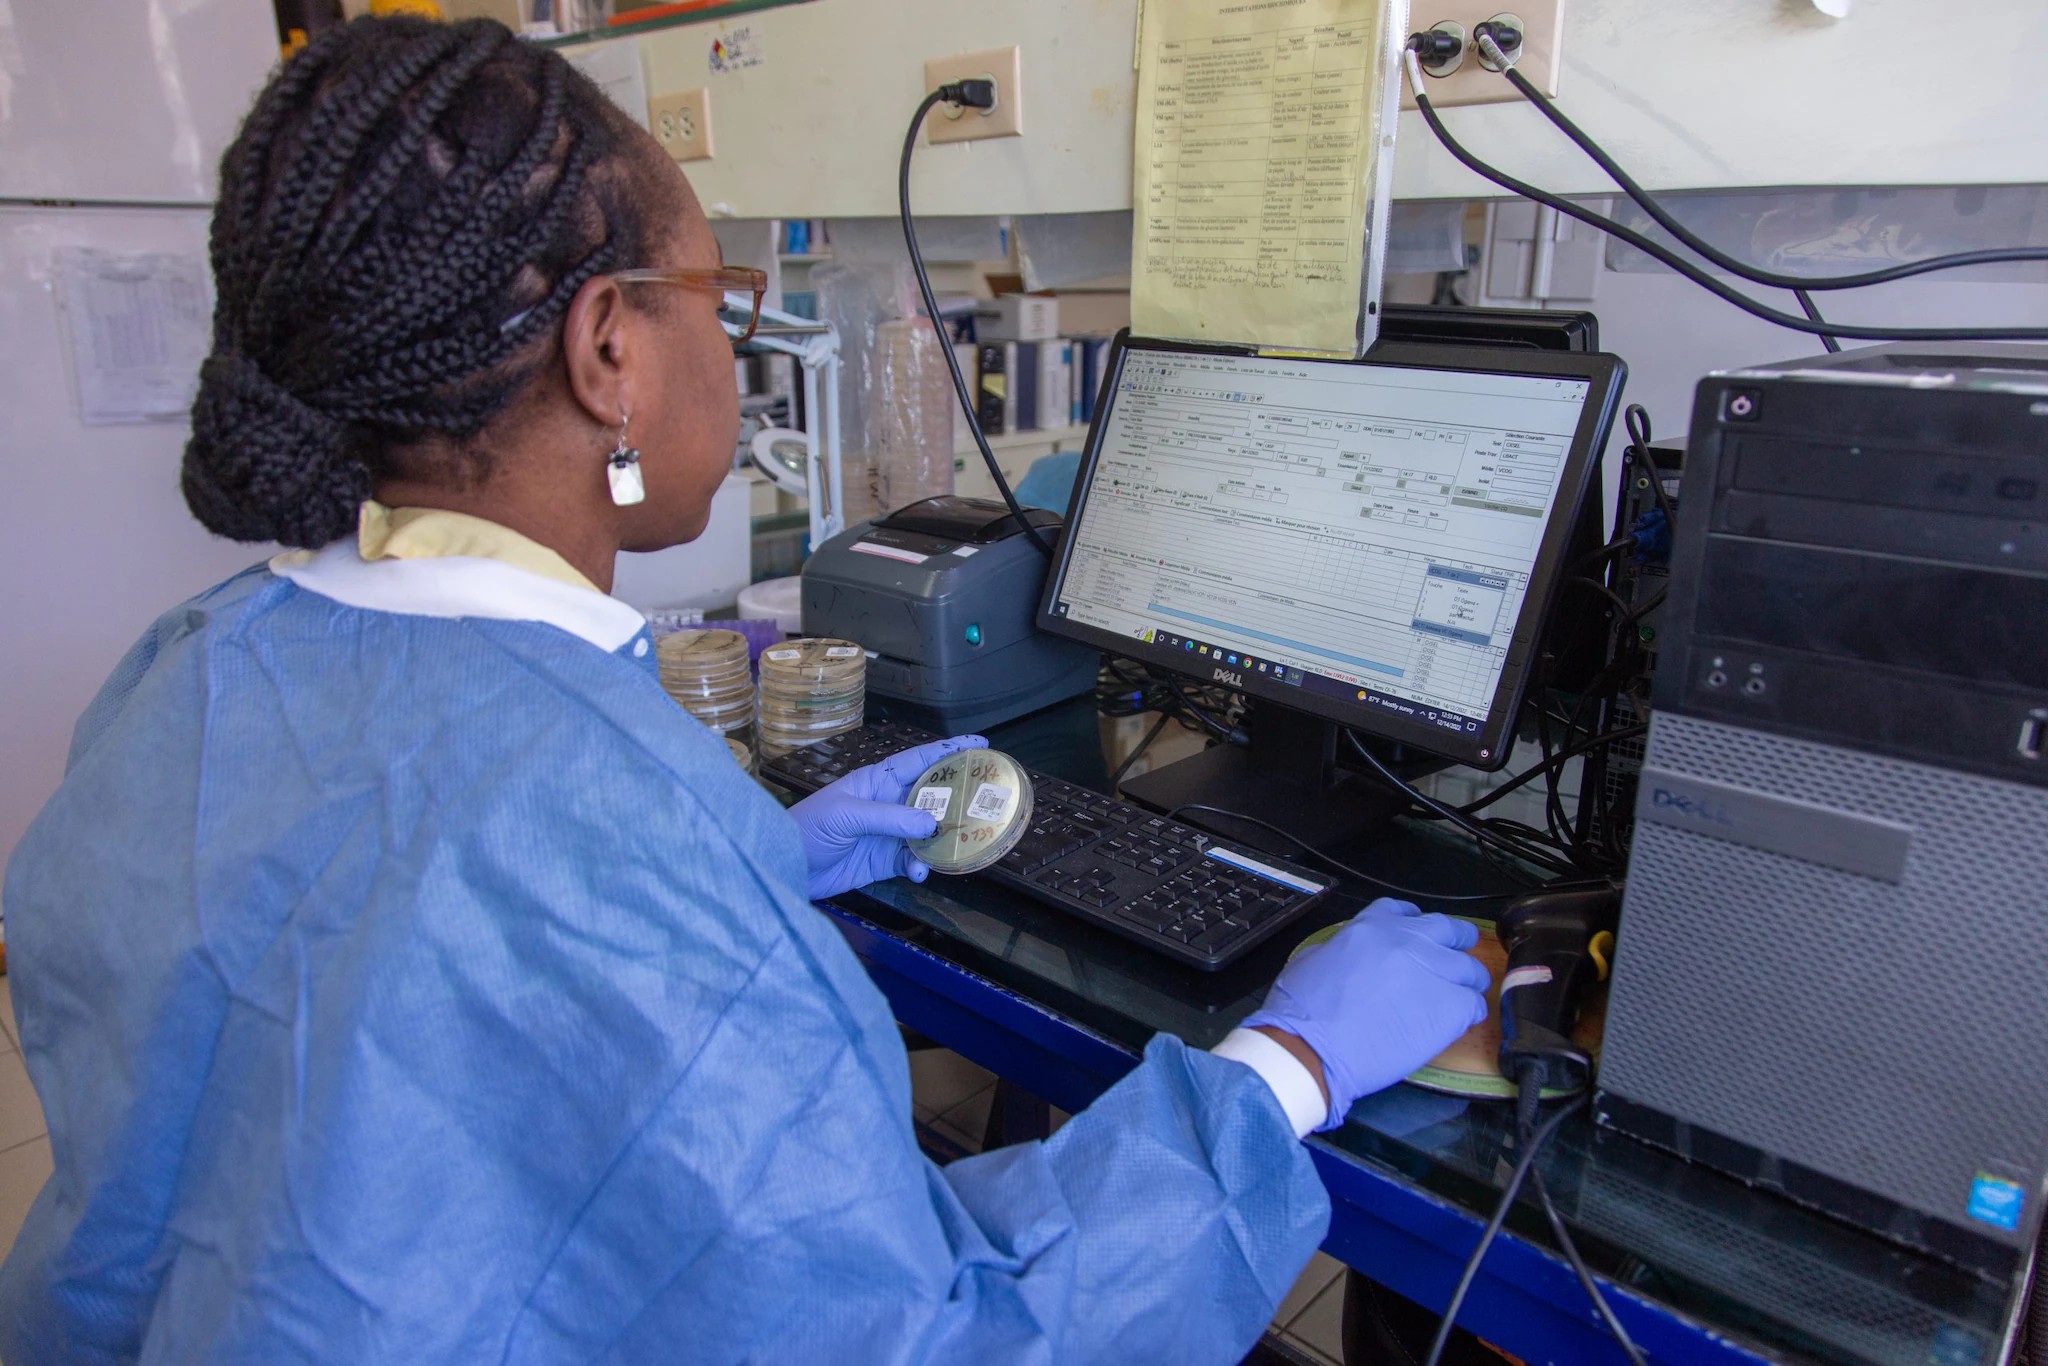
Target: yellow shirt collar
(429, 533)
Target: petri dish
(982, 799)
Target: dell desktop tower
(1829, 979)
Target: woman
(406, 979)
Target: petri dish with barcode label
(982, 800)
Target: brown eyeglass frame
(722, 279)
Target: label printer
(942, 594)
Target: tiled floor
(951, 1096)
(24, 1146)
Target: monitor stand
(1287, 776)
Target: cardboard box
(1017, 318)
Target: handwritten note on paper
(1258, 136)
(138, 324)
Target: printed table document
(1258, 138)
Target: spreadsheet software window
(1375, 526)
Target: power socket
(681, 123)
(1471, 82)
(1004, 66)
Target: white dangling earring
(628, 487)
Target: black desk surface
(1780, 1281)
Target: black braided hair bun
(403, 220)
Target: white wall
(95, 540)
(1687, 93)
(125, 100)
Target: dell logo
(1226, 676)
(1699, 808)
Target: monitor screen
(1358, 538)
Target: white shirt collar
(460, 586)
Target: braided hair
(403, 220)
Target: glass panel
(1773, 1274)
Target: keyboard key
(1101, 896)
(1256, 914)
(1217, 936)
(1146, 917)
(1122, 815)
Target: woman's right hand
(1390, 991)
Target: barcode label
(991, 803)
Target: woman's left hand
(853, 830)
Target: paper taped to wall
(1265, 147)
(138, 324)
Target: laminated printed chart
(1263, 163)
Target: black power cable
(1668, 221)
(974, 94)
(1165, 719)
(1458, 818)
(1658, 251)
(1611, 737)
(1637, 419)
(1812, 310)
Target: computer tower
(1829, 979)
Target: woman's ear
(597, 349)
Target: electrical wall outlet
(1468, 81)
(1004, 66)
(681, 123)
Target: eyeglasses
(724, 279)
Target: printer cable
(973, 94)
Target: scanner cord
(1658, 251)
(1523, 1164)
(931, 307)
(1528, 1096)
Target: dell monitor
(1366, 544)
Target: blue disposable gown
(409, 989)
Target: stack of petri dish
(707, 673)
(811, 690)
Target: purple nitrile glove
(1392, 990)
(853, 829)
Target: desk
(1708, 1270)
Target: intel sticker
(1996, 1201)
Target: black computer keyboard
(1169, 886)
